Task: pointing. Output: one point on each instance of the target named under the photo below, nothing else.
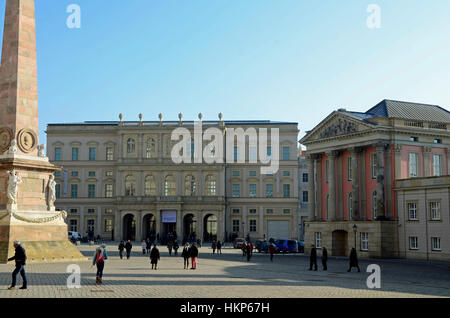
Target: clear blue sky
(288, 60)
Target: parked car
(262, 246)
(286, 246)
(238, 242)
(74, 236)
(301, 247)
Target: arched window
(150, 150)
(350, 206)
(170, 186)
(211, 185)
(130, 186)
(374, 205)
(190, 186)
(150, 186)
(131, 145)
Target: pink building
(356, 159)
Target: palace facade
(370, 171)
(120, 182)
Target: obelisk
(27, 188)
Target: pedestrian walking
(170, 247)
(121, 248)
(128, 248)
(214, 246)
(244, 248)
(219, 247)
(313, 258)
(175, 248)
(99, 259)
(248, 252)
(271, 251)
(148, 245)
(193, 253)
(154, 257)
(144, 247)
(186, 255)
(353, 260)
(324, 258)
(20, 256)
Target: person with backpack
(121, 248)
(99, 259)
(128, 248)
(193, 253)
(186, 254)
(155, 257)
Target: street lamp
(355, 230)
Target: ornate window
(170, 186)
(150, 186)
(130, 186)
(211, 186)
(151, 147)
(190, 186)
(131, 145)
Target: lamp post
(355, 230)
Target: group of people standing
(190, 252)
(127, 247)
(353, 259)
(216, 246)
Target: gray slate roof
(410, 111)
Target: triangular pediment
(335, 125)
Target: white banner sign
(169, 217)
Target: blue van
(286, 246)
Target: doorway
(339, 243)
(129, 227)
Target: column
(261, 222)
(448, 161)
(244, 222)
(120, 154)
(312, 187)
(117, 226)
(158, 221)
(140, 152)
(390, 202)
(82, 229)
(331, 215)
(398, 161)
(380, 148)
(200, 225)
(138, 226)
(426, 162)
(318, 188)
(179, 227)
(355, 184)
(99, 221)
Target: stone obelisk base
(44, 242)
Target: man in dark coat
(186, 255)
(214, 246)
(353, 260)
(219, 247)
(324, 258)
(148, 245)
(121, 248)
(193, 253)
(154, 257)
(313, 258)
(20, 257)
(128, 248)
(170, 246)
(248, 251)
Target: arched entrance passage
(210, 228)
(149, 227)
(129, 227)
(339, 247)
(190, 228)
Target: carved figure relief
(13, 187)
(339, 127)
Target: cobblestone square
(229, 276)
